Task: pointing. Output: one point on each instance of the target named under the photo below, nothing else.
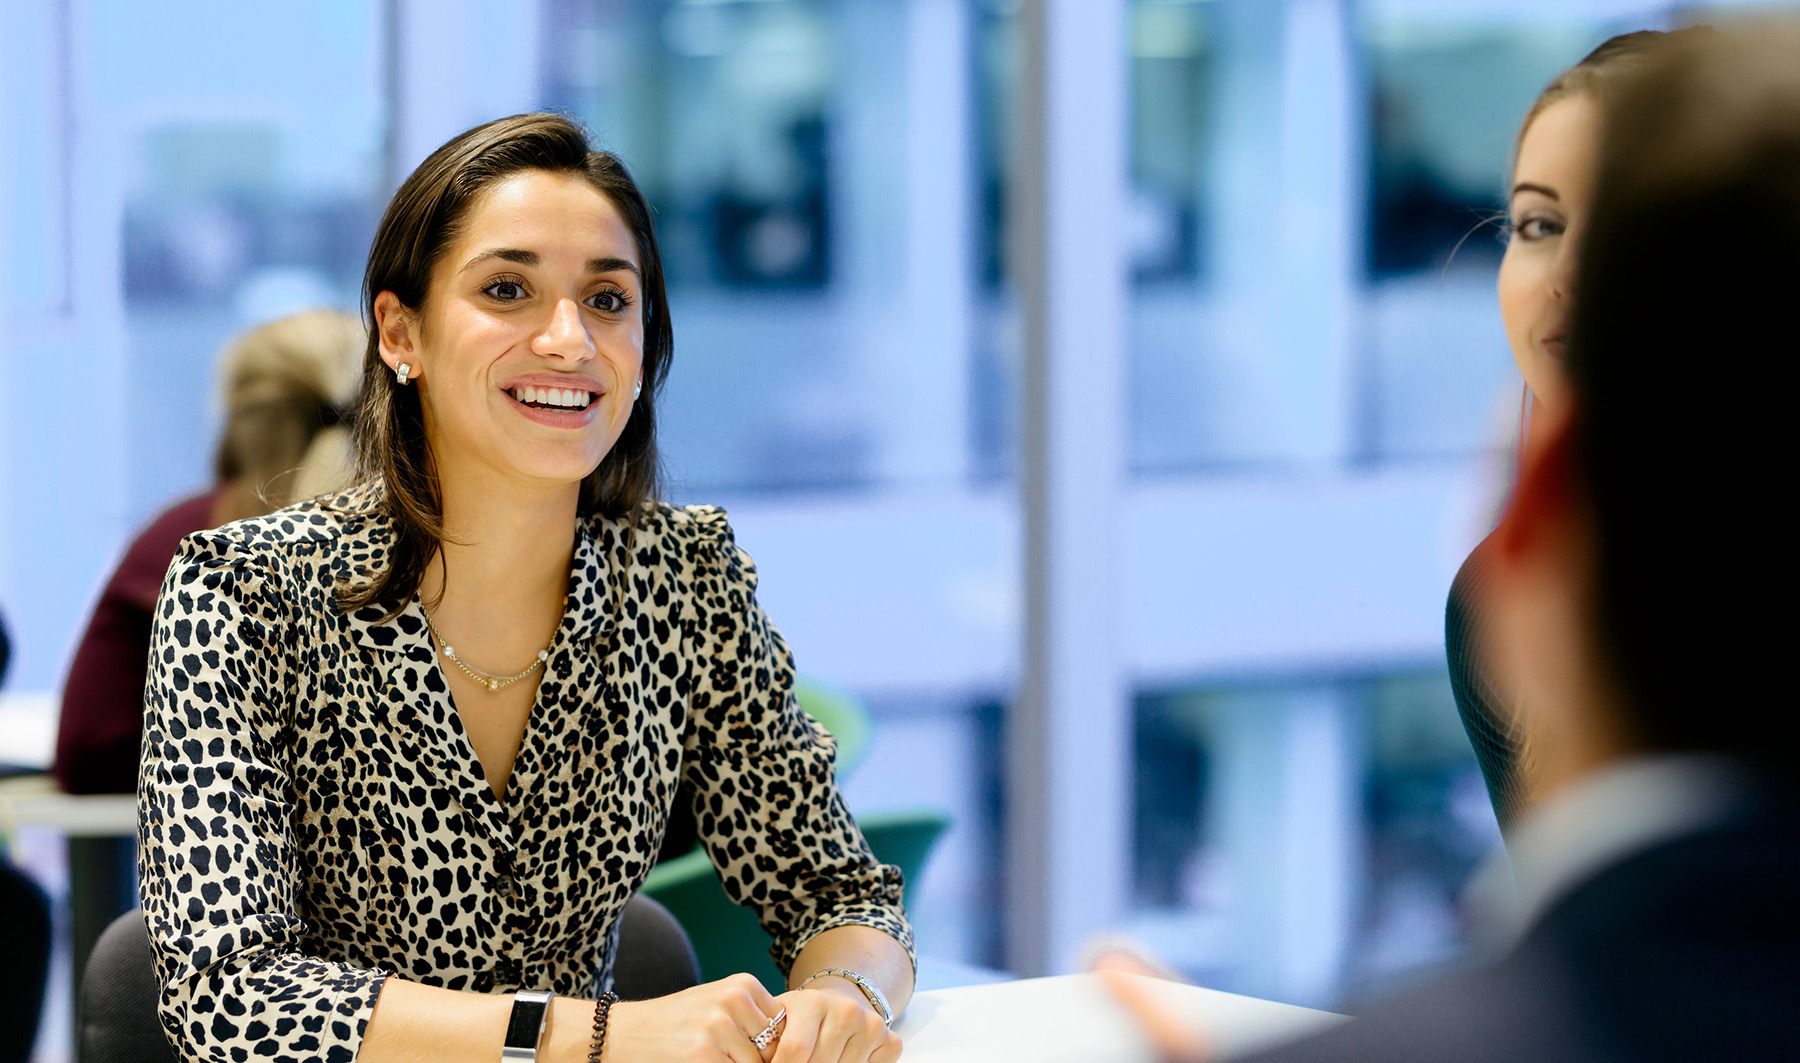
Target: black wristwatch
(526, 1027)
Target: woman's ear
(396, 328)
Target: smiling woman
(437, 721)
(1548, 205)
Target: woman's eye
(505, 291)
(608, 302)
(1537, 228)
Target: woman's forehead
(550, 214)
(1561, 145)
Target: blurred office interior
(1301, 396)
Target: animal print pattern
(314, 819)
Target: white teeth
(566, 397)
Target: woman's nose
(565, 335)
(1568, 261)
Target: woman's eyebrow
(609, 265)
(505, 254)
(1542, 190)
(606, 264)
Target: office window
(250, 140)
(1369, 784)
(807, 162)
(1445, 98)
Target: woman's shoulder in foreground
(694, 545)
(679, 524)
(352, 514)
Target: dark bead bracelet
(601, 1008)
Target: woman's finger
(866, 1038)
(800, 1033)
(768, 1039)
(754, 991)
(889, 1050)
(840, 1025)
(723, 1031)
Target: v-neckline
(431, 712)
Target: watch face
(526, 1024)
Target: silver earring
(637, 389)
(400, 372)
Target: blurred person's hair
(286, 388)
(1683, 362)
(420, 223)
(1602, 74)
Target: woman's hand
(709, 1023)
(827, 1023)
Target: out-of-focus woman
(286, 388)
(1548, 201)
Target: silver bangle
(525, 1030)
(869, 990)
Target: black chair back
(117, 1013)
(118, 1021)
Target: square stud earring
(400, 373)
(637, 389)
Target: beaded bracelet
(601, 1008)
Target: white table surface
(28, 738)
(27, 727)
(1072, 1019)
(34, 801)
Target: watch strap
(531, 1007)
(872, 992)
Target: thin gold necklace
(486, 679)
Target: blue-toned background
(1319, 399)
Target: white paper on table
(1073, 1019)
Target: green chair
(728, 939)
(843, 714)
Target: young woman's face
(531, 339)
(1551, 196)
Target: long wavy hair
(423, 219)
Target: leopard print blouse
(313, 817)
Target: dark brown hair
(423, 219)
(1682, 364)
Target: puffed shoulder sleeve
(762, 771)
(218, 864)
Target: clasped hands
(828, 1022)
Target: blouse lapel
(409, 689)
(411, 694)
(552, 734)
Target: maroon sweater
(102, 722)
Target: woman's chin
(554, 474)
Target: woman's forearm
(416, 1023)
(863, 949)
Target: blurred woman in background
(286, 388)
(1549, 199)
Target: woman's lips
(552, 417)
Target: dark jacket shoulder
(1687, 950)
